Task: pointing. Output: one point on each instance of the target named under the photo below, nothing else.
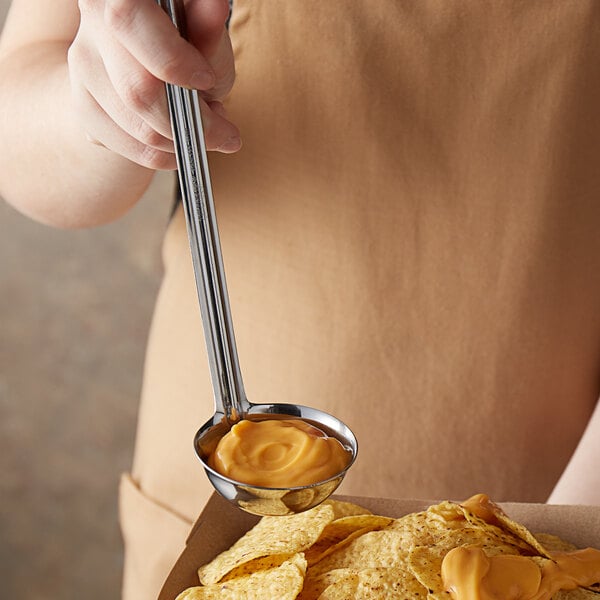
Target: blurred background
(75, 308)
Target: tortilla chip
(271, 535)
(339, 550)
(457, 516)
(383, 548)
(375, 584)
(346, 509)
(345, 587)
(341, 532)
(521, 532)
(425, 563)
(553, 543)
(283, 582)
(314, 586)
(258, 564)
(576, 594)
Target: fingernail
(202, 80)
(233, 144)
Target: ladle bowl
(267, 501)
(231, 404)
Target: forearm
(49, 170)
(580, 482)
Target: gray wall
(74, 314)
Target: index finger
(147, 32)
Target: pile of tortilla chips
(339, 550)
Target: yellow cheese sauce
(469, 574)
(481, 506)
(278, 453)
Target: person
(410, 231)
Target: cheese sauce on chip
(278, 453)
(468, 573)
(481, 506)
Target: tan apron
(411, 242)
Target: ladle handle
(198, 204)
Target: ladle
(231, 404)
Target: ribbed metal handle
(197, 198)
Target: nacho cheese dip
(278, 453)
(469, 573)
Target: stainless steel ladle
(231, 404)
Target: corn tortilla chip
(315, 586)
(340, 551)
(271, 535)
(341, 532)
(553, 543)
(456, 516)
(425, 564)
(345, 587)
(517, 529)
(283, 582)
(346, 509)
(375, 584)
(388, 583)
(576, 594)
(255, 565)
(383, 548)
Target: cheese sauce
(278, 453)
(469, 574)
(481, 506)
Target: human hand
(118, 62)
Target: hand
(120, 58)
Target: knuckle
(140, 90)
(155, 159)
(148, 136)
(171, 68)
(78, 56)
(119, 14)
(88, 6)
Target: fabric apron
(410, 237)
